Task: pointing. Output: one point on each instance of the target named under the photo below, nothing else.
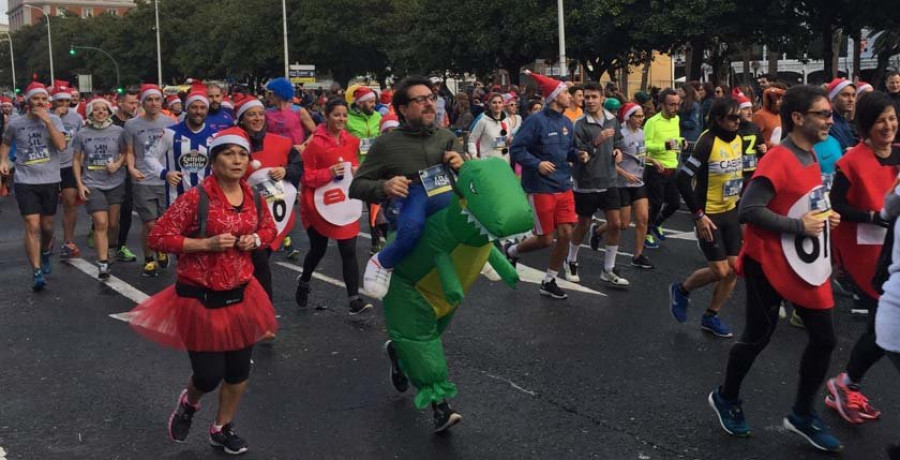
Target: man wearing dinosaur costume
(429, 283)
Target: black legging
(211, 367)
(663, 195)
(865, 352)
(318, 244)
(125, 214)
(762, 317)
(261, 269)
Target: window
(87, 12)
(113, 12)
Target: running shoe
(848, 401)
(613, 278)
(376, 279)
(398, 378)
(796, 320)
(181, 418)
(512, 260)
(125, 255)
(444, 416)
(103, 272)
(730, 413)
(151, 269)
(90, 237)
(714, 324)
(550, 289)
(658, 233)
(595, 238)
(678, 302)
(69, 250)
(837, 285)
(358, 305)
(301, 295)
(290, 252)
(782, 312)
(642, 261)
(650, 242)
(162, 259)
(45, 262)
(227, 439)
(813, 429)
(572, 272)
(38, 283)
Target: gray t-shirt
(143, 134)
(634, 156)
(37, 160)
(100, 147)
(73, 123)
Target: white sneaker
(612, 278)
(376, 279)
(782, 313)
(489, 273)
(571, 269)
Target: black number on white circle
(279, 210)
(817, 247)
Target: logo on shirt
(565, 131)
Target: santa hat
(89, 109)
(195, 97)
(742, 100)
(149, 90)
(5, 101)
(74, 91)
(386, 96)
(226, 102)
(627, 110)
(236, 136)
(388, 121)
(172, 99)
(197, 86)
(34, 88)
(550, 87)
(836, 86)
(507, 97)
(363, 93)
(60, 93)
(862, 87)
(245, 105)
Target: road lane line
(510, 382)
(127, 290)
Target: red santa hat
(236, 136)
(363, 93)
(34, 88)
(550, 87)
(742, 100)
(863, 87)
(60, 93)
(195, 97)
(172, 99)
(628, 110)
(5, 101)
(386, 97)
(74, 91)
(245, 105)
(836, 86)
(148, 89)
(226, 102)
(197, 86)
(388, 121)
(98, 100)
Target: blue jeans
(411, 213)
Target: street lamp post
(562, 39)
(284, 26)
(72, 49)
(12, 59)
(49, 39)
(158, 48)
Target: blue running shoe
(712, 323)
(650, 242)
(657, 233)
(45, 262)
(38, 283)
(730, 414)
(813, 429)
(678, 303)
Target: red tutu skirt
(185, 324)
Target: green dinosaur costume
(428, 285)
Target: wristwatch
(256, 241)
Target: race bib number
(365, 144)
(732, 187)
(333, 200)
(641, 155)
(280, 197)
(500, 142)
(98, 161)
(818, 201)
(827, 181)
(809, 256)
(193, 162)
(750, 161)
(37, 155)
(435, 179)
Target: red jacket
(323, 152)
(213, 270)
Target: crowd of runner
(794, 189)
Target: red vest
(797, 266)
(869, 183)
(274, 153)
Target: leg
(101, 227)
(208, 371)
(563, 236)
(318, 245)
(46, 232)
(125, 215)
(816, 356)
(237, 374)
(349, 266)
(641, 218)
(653, 181)
(33, 238)
(70, 213)
(145, 245)
(715, 272)
(865, 352)
(112, 228)
(724, 286)
(672, 201)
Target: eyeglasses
(423, 99)
(513, 104)
(718, 91)
(824, 114)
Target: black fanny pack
(211, 298)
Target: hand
(834, 219)
(300, 147)
(617, 155)
(136, 175)
(630, 177)
(83, 192)
(246, 243)
(604, 136)
(41, 113)
(353, 170)
(546, 168)
(812, 225)
(397, 187)
(277, 173)
(583, 156)
(337, 170)
(220, 243)
(112, 168)
(659, 167)
(173, 178)
(4, 167)
(705, 228)
(454, 159)
(761, 148)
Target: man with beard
(60, 97)
(364, 122)
(126, 104)
(217, 118)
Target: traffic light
(18, 90)
(72, 50)
(120, 90)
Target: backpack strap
(257, 200)
(202, 212)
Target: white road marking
(2, 453)
(510, 382)
(117, 284)
(320, 276)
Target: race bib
(435, 180)
(749, 161)
(98, 161)
(37, 155)
(365, 144)
(732, 187)
(500, 142)
(827, 181)
(809, 256)
(641, 155)
(193, 162)
(333, 200)
(279, 196)
(818, 201)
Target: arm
(519, 148)
(891, 205)
(307, 120)
(157, 154)
(266, 228)
(653, 145)
(180, 219)
(695, 165)
(368, 184)
(313, 175)
(501, 265)
(294, 169)
(839, 203)
(77, 161)
(475, 138)
(56, 134)
(128, 152)
(753, 209)
(453, 290)
(4, 156)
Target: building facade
(26, 12)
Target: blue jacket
(545, 136)
(843, 132)
(219, 120)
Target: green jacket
(363, 127)
(657, 130)
(402, 152)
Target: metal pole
(12, 60)
(562, 38)
(115, 63)
(284, 24)
(49, 40)
(158, 48)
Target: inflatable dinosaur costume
(428, 285)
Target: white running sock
(513, 251)
(609, 258)
(573, 252)
(550, 275)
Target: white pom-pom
(255, 164)
(527, 72)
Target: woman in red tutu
(217, 309)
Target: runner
(892, 86)
(767, 118)
(842, 94)
(662, 136)
(753, 148)
(216, 310)
(39, 136)
(491, 134)
(99, 173)
(597, 132)
(786, 256)
(217, 117)
(326, 159)
(363, 121)
(710, 182)
(141, 135)
(862, 179)
(126, 107)
(72, 122)
(282, 119)
(175, 107)
(575, 111)
(632, 192)
(544, 148)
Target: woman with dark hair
(326, 159)
(216, 310)
(490, 137)
(707, 96)
(534, 106)
(863, 176)
(462, 114)
(689, 115)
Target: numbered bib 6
(809, 256)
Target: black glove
(877, 220)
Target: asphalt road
(606, 374)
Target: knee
(32, 227)
(206, 383)
(410, 230)
(564, 233)
(235, 375)
(824, 344)
(722, 271)
(547, 240)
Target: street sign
(298, 80)
(305, 71)
(85, 83)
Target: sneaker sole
(717, 334)
(834, 393)
(553, 296)
(452, 420)
(829, 402)
(573, 279)
(614, 284)
(643, 267)
(712, 404)
(391, 368)
(368, 306)
(790, 427)
(227, 450)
